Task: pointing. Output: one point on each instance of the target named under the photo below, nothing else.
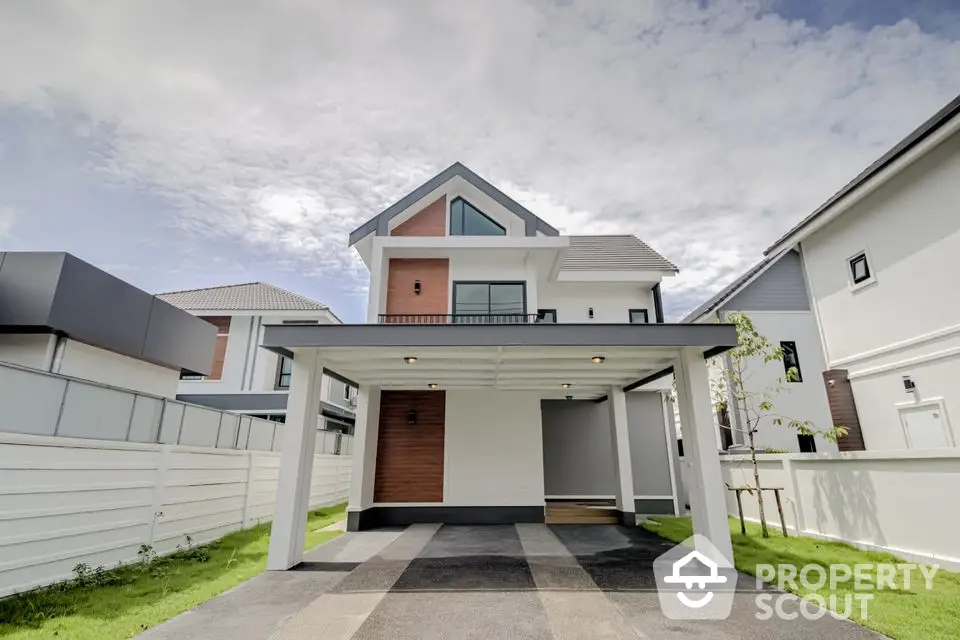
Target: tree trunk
(756, 482)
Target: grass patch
(905, 614)
(120, 603)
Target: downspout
(657, 304)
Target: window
(791, 361)
(467, 220)
(859, 268)
(190, 375)
(284, 372)
(472, 299)
(638, 316)
(807, 443)
(548, 316)
(301, 322)
(272, 417)
(346, 392)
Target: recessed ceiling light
(410, 359)
(565, 385)
(432, 385)
(597, 359)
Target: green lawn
(905, 614)
(123, 602)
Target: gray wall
(780, 288)
(578, 455)
(56, 292)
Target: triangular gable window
(467, 220)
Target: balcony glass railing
(460, 318)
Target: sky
(181, 145)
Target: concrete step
(580, 514)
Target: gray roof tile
(250, 296)
(613, 253)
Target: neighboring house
(774, 295)
(245, 378)
(880, 259)
(62, 315)
(498, 374)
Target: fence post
(63, 402)
(248, 495)
(794, 495)
(163, 412)
(159, 490)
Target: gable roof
(732, 289)
(613, 253)
(249, 296)
(456, 169)
(918, 135)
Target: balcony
(461, 318)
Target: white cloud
(706, 131)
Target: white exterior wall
(610, 301)
(90, 363)
(871, 499)
(805, 400)
(493, 460)
(27, 350)
(908, 321)
(67, 501)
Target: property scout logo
(695, 582)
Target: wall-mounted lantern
(412, 416)
(416, 287)
(590, 313)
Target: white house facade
(62, 315)
(499, 375)
(774, 295)
(880, 259)
(245, 378)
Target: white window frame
(939, 405)
(872, 279)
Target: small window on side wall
(791, 362)
(639, 316)
(807, 443)
(859, 268)
(284, 372)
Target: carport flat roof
(556, 360)
(716, 337)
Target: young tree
(755, 402)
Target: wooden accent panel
(430, 221)
(410, 457)
(434, 277)
(843, 409)
(222, 323)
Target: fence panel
(30, 400)
(65, 501)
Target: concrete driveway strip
(575, 606)
(338, 615)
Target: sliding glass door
(489, 302)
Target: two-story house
(878, 257)
(249, 380)
(499, 374)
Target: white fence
(40, 403)
(64, 501)
(905, 502)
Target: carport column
(707, 499)
(299, 434)
(364, 455)
(622, 464)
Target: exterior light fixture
(569, 397)
(565, 385)
(432, 385)
(597, 359)
(416, 287)
(412, 416)
(410, 359)
(590, 313)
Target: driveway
(452, 582)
